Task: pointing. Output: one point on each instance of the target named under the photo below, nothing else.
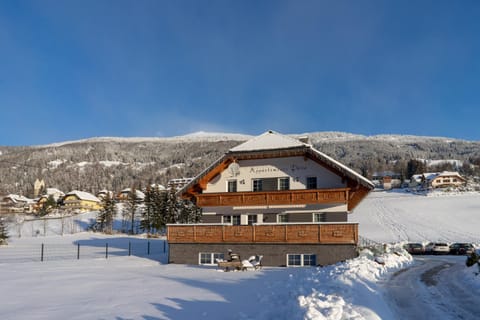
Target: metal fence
(85, 249)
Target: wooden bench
(231, 265)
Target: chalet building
(178, 183)
(126, 193)
(387, 180)
(273, 196)
(81, 201)
(438, 180)
(14, 203)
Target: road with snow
(432, 288)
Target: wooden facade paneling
(338, 233)
(290, 197)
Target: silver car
(440, 248)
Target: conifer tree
(148, 213)
(3, 232)
(159, 205)
(107, 213)
(189, 212)
(171, 206)
(132, 206)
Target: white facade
(296, 169)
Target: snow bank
(351, 290)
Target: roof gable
(269, 140)
(273, 145)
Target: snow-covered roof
(18, 198)
(449, 174)
(53, 191)
(82, 195)
(432, 175)
(269, 140)
(138, 193)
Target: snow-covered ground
(143, 286)
(401, 216)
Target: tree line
(158, 208)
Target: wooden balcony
(320, 233)
(287, 197)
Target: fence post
(164, 244)
(41, 254)
(148, 248)
(106, 250)
(78, 251)
(129, 248)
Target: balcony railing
(287, 197)
(319, 233)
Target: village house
(81, 201)
(178, 183)
(14, 203)
(438, 180)
(125, 195)
(56, 194)
(274, 196)
(387, 180)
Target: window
(319, 217)
(271, 184)
(311, 182)
(309, 260)
(232, 186)
(282, 218)
(301, 260)
(257, 185)
(209, 258)
(235, 220)
(284, 184)
(294, 260)
(252, 218)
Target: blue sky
(79, 69)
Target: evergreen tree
(415, 167)
(132, 206)
(149, 211)
(171, 206)
(106, 214)
(189, 212)
(47, 206)
(3, 232)
(159, 205)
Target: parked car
(429, 247)
(414, 248)
(440, 248)
(462, 248)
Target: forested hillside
(116, 163)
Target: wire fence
(95, 249)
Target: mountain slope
(115, 163)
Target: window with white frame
(319, 217)
(284, 183)
(301, 260)
(282, 218)
(252, 218)
(257, 185)
(232, 186)
(209, 258)
(234, 219)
